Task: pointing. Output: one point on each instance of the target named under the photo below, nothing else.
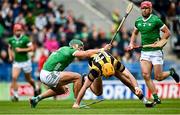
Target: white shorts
(155, 57)
(26, 66)
(50, 78)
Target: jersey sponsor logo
(144, 24)
(100, 56)
(13, 42)
(139, 24)
(97, 59)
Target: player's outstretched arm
(86, 85)
(164, 38)
(134, 83)
(89, 53)
(133, 37)
(166, 32)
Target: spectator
(4, 56)
(20, 19)
(40, 21)
(51, 43)
(116, 18)
(5, 9)
(94, 40)
(127, 58)
(61, 37)
(30, 19)
(9, 21)
(16, 10)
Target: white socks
(15, 93)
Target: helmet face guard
(108, 70)
(78, 43)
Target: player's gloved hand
(107, 47)
(75, 106)
(138, 91)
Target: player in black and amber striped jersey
(104, 64)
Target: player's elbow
(98, 92)
(168, 33)
(32, 48)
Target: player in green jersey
(53, 74)
(19, 46)
(150, 26)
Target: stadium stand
(53, 23)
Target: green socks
(155, 96)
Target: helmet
(108, 70)
(147, 4)
(75, 41)
(17, 26)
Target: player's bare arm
(85, 54)
(166, 32)
(10, 53)
(28, 49)
(165, 36)
(86, 85)
(133, 81)
(89, 53)
(133, 37)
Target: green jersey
(59, 59)
(22, 42)
(150, 30)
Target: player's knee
(99, 93)
(14, 79)
(61, 91)
(77, 78)
(30, 80)
(65, 90)
(146, 76)
(158, 77)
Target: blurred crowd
(51, 26)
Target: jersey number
(100, 56)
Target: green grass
(105, 107)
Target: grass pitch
(106, 107)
